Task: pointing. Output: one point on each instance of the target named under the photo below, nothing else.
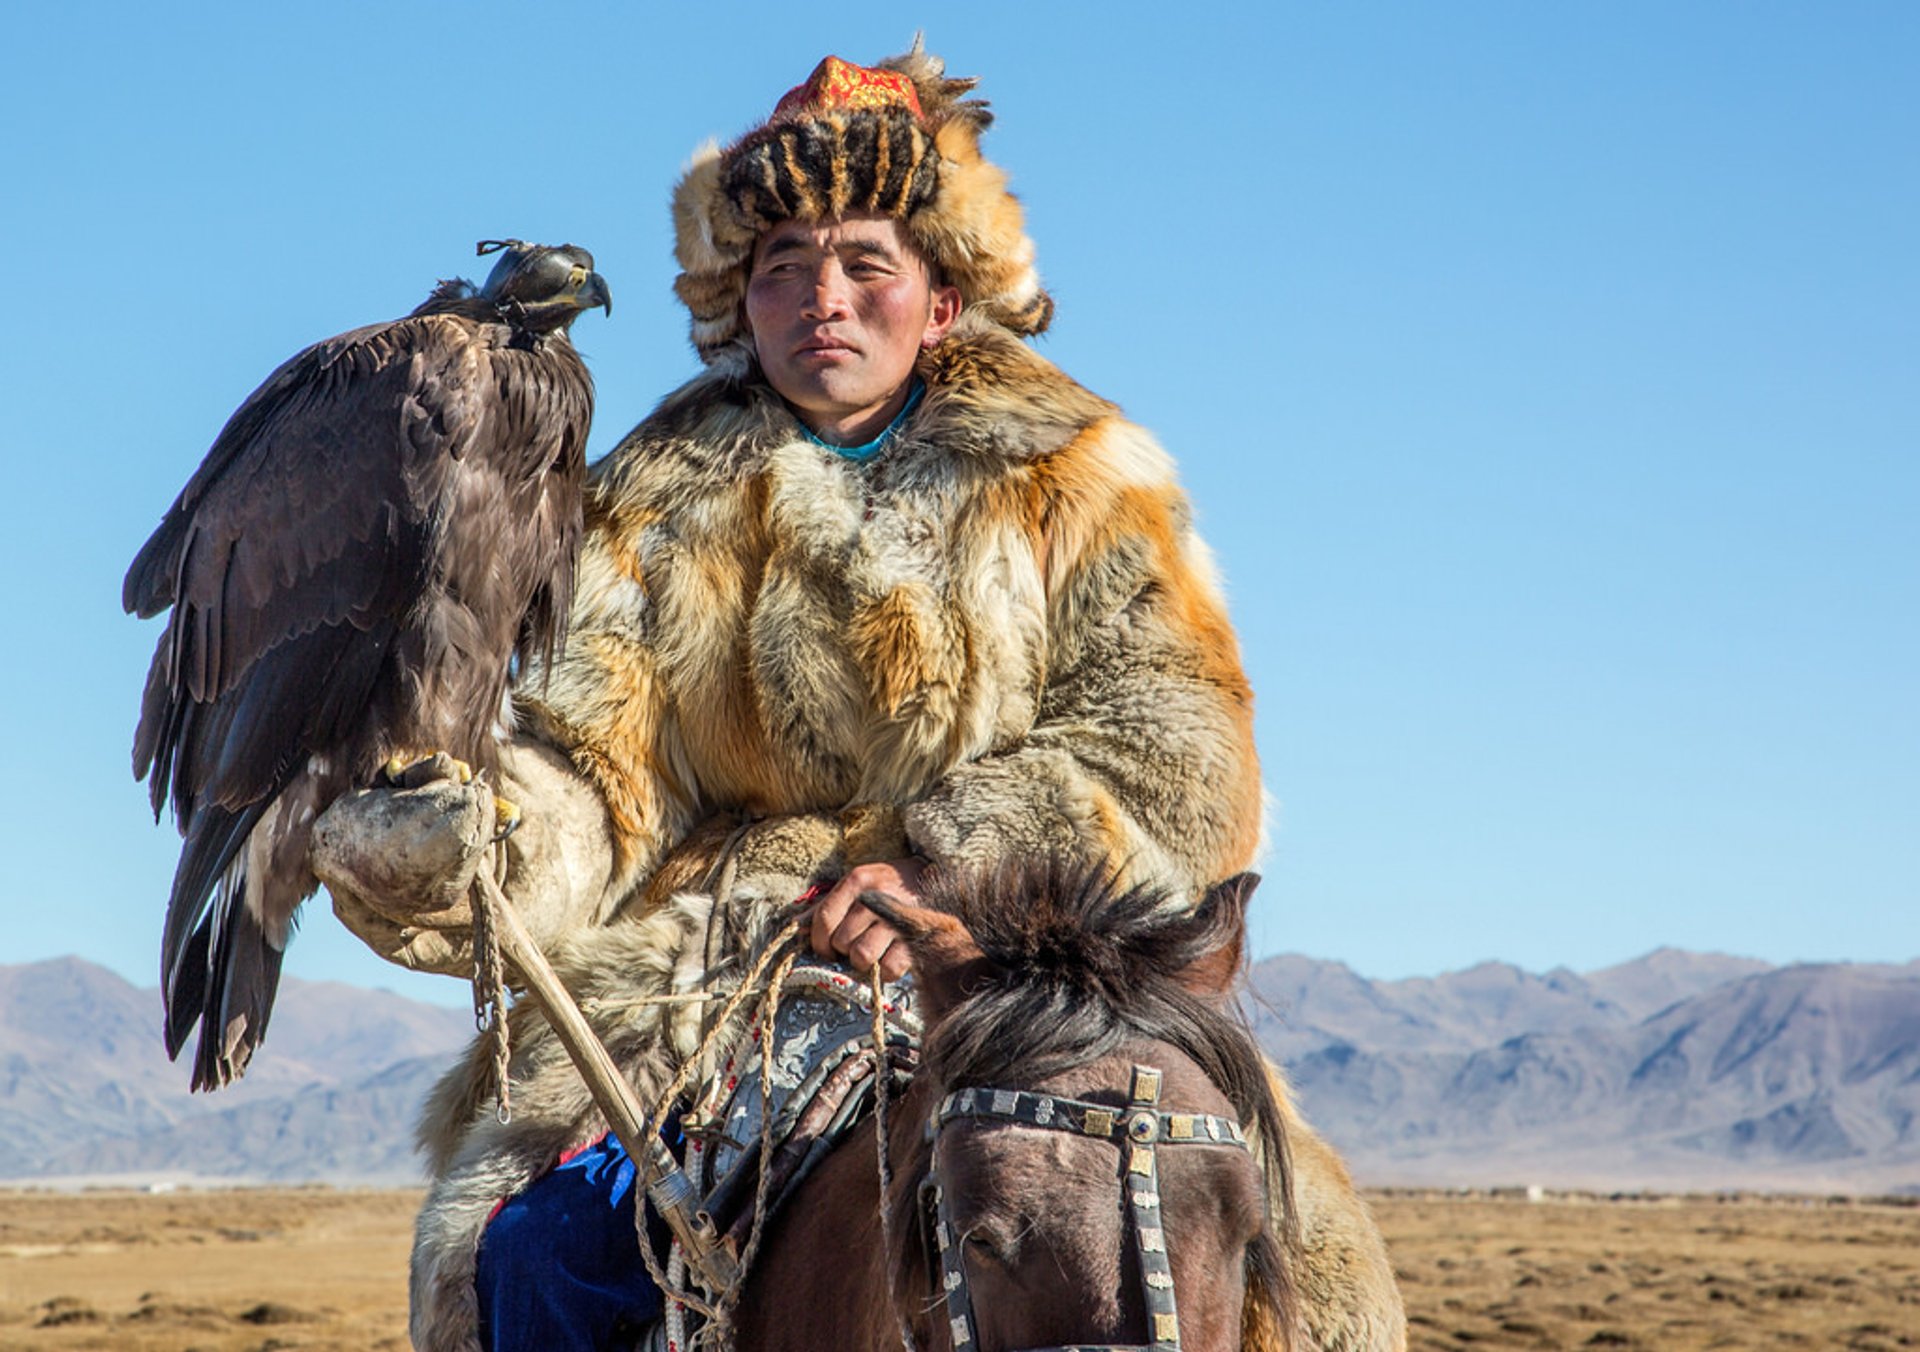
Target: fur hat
(897, 139)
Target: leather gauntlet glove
(399, 863)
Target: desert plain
(272, 1270)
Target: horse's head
(1042, 992)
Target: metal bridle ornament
(1139, 1129)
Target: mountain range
(86, 1089)
(1676, 1070)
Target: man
(881, 591)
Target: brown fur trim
(824, 164)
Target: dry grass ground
(316, 1269)
(215, 1271)
(1667, 1274)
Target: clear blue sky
(1545, 377)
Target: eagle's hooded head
(542, 287)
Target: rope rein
(770, 1010)
(781, 949)
(882, 1103)
(786, 950)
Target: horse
(1090, 1154)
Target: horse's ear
(1223, 914)
(947, 964)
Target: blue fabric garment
(559, 1265)
(874, 447)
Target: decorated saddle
(780, 1107)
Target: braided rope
(770, 1011)
(882, 1101)
(785, 983)
(490, 1007)
(676, 1313)
(780, 946)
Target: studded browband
(1141, 1126)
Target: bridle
(1138, 1129)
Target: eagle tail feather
(163, 719)
(245, 966)
(215, 838)
(187, 996)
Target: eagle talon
(411, 770)
(506, 818)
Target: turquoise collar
(874, 447)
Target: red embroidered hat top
(841, 84)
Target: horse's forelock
(1075, 959)
(1077, 922)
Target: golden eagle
(376, 537)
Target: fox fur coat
(1003, 627)
(998, 639)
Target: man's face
(839, 310)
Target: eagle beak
(592, 291)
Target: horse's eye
(985, 1246)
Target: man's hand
(843, 928)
